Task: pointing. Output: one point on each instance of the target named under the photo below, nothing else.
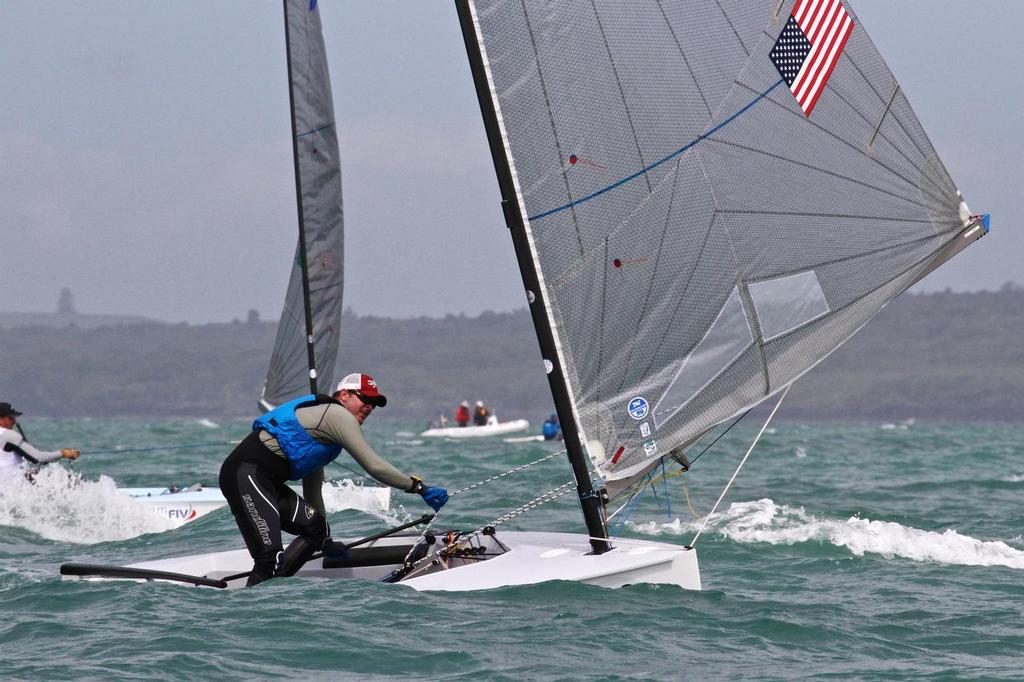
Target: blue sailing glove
(435, 497)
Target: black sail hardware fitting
(679, 457)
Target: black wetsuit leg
(254, 482)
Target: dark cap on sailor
(365, 386)
(7, 410)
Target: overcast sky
(145, 157)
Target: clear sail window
(724, 341)
(789, 302)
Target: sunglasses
(367, 400)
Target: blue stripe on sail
(657, 163)
(316, 130)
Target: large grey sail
(704, 232)
(318, 171)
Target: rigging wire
(186, 446)
(742, 462)
(162, 447)
(738, 419)
(532, 504)
(506, 473)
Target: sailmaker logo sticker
(638, 408)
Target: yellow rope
(686, 491)
(693, 511)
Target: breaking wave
(764, 521)
(346, 494)
(60, 505)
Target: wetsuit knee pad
(295, 556)
(308, 523)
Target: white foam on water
(60, 505)
(347, 494)
(1013, 478)
(208, 423)
(764, 521)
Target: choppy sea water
(854, 552)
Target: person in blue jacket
(295, 441)
(551, 430)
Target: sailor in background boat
(15, 451)
(481, 414)
(462, 414)
(551, 430)
(291, 442)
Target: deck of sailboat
(530, 558)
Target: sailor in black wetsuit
(292, 442)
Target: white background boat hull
(178, 508)
(181, 507)
(498, 429)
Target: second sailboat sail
(321, 224)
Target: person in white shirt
(17, 455)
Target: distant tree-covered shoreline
(942, 356)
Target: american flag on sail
(809, 47)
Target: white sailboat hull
(495, 429)
(539, 557)
(528, 558)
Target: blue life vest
(550, 430)
(305, 454)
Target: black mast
(589, 500)
(302, 226)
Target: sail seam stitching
(551, 118)
(764, 152)
(654, 271)
(682, 297)
(686, 61)
(622, 94)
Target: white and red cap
(364, 385)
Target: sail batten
(701, 235)
(319, 256)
